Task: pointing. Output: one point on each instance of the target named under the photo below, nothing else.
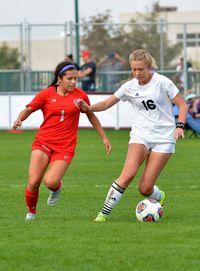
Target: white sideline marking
(190, 186)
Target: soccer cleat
(30, 216)
(54, 197)
(100, 218)
(162, 198)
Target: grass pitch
(64, 237)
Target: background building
(179, 25)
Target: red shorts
(52, 154)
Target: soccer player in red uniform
(55, 142)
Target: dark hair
(70, 56)
(58, 68)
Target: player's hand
(179, 133)
(107, 145)
(17, 124)
(82, 105)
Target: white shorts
(166, 147)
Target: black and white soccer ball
(149, 210)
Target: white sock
(156, 193)
(114, 195)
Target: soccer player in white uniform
(154, 131)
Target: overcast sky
(60, 11)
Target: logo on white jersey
(137, 94)
(53, 100)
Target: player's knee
(50, 182)
(145, 190)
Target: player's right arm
(100, 106)
(22, 116)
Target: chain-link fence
(42, 46)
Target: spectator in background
(110, 65)
(70, 58)
(194, 105)
(87, 72)
(181, 75)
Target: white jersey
(152, 107)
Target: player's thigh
(38, 164)
(156, 161)
(136, 155)
(55, 172)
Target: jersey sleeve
(171, 88)
(121, 93)
(38, 101)
(86, 99)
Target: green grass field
(65, 237)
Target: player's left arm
(97, 125)
(183, 109)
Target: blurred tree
(98, 34)
(9, 57)
(146, 31)
(153, 37)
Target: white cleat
(30, 216)
(54, 197)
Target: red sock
(31, 200)
(58, 187)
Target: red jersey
(61, 117)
